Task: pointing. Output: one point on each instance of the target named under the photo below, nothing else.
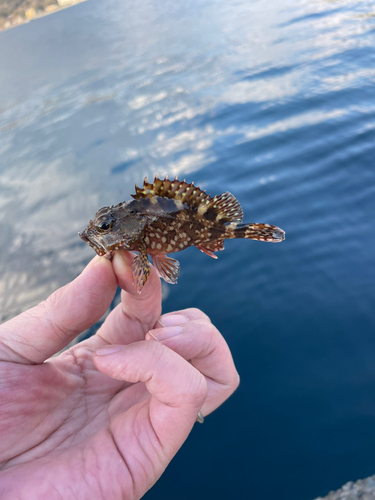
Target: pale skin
(103, 419)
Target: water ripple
(274, 103)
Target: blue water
(273, 101)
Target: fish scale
(167, 216)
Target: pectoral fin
(167, 268)
(140, 268)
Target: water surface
(273, 101)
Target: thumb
(40, 332)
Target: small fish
(169, 216)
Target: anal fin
(210, 247)
(167, 268)
(140, 268)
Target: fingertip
(94, 261)
(150, 336)
(99, 265)
(122, 261)
(100, 272)
(107, 359)
(161, 334)
(182, 316)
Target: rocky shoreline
(16, 12)
(363, 489)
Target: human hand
(92, 425)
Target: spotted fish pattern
(167, 216)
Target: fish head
(113, 228)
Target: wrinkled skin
(88, 424)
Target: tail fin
(261, 232)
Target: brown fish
(169, 216)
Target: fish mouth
(278, 234)
(93, 242)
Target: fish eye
(104, 226)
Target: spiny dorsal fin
(224, 208)
(175, 190)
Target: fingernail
(110, 349)
(165, 333)
(151, 334)
(173, 319)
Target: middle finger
(201, 343)
(136, 313)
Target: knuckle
(44, 312)
(211, 329)
(194, 313)
(236, 380)
(209, 333)
(200, 325)
(54, 299)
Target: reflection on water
(273, 102)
